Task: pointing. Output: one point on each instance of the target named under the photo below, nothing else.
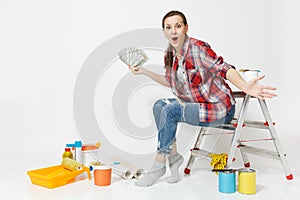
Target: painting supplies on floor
(70, 168)
(246, 180)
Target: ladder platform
(253, 124)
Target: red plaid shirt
(204, 73)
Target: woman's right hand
(154, 76)
(136, 69)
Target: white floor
(201, 184)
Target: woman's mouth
(175, 39)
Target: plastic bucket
(102, 176)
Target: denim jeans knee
(167, 114)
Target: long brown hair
(169, 54)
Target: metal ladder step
(252, 124)
(200, 152)
(259, 151)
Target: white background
(43, 45)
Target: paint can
(249, 74)
(227, 181)
(247, 181)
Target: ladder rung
(203, 153)
(200, 152)
(256, 140)
(224, 126)
(253, 124)
(222, 133)
(259, 151)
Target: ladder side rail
(236, 137)
(275, 137)
(196, 146)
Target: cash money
(133, 56)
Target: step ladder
(236, 127)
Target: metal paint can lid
(247, 170)
(228, 171)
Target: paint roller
(67, 163)
(71, 164)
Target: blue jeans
(169, 112)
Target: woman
(197, 77)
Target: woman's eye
(179, 26)
(168, 27)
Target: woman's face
(175, 31)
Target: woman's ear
(186, 28)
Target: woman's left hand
(257, 90)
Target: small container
(102, 176)
(247, 181)
(67, 153)
(250, 74)
(227, 181)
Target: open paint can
(247, 181)
(227, 181)
(249, 74)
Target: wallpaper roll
(125, 169)
(123, 172)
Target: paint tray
(55, 176)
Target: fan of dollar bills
(133, 56)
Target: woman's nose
(173, 30)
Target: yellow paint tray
(55, 176)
